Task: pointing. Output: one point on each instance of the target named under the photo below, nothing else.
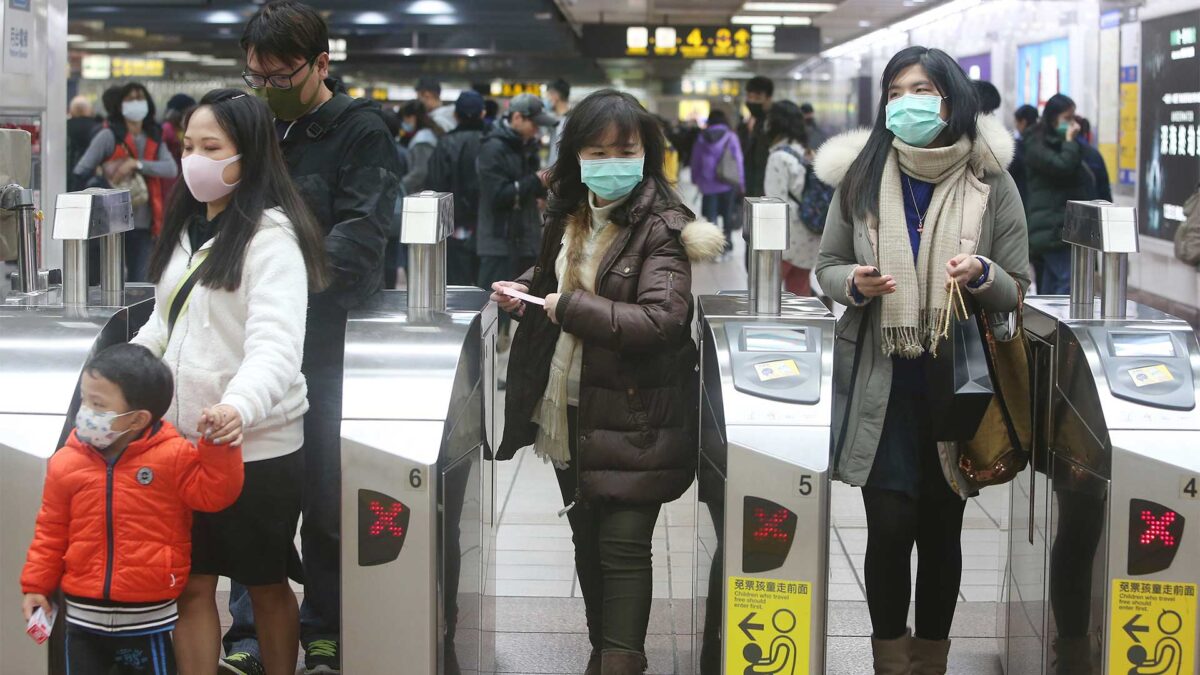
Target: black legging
(895, 521)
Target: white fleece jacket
(240, 348)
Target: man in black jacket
(453, 169)
(510, 222)
(756, 146)
(343, 161)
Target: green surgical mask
(287, 104)
(1063, 127)
(916, 119)
(612, 178)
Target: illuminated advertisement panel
(1169, 156)
(1043, 70)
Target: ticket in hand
(514, 293)
(40, 624)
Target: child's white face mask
(95, 428)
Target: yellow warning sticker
(1153, 628)
(774, 370)
(767, 626)
(1151, 375)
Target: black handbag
(959, 382)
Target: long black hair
(265, 184)
(587, 125)
(150, 125)
(860, 189)
(785, 121)
(1055, 107)
(424, 121)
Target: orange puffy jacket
(123, 532)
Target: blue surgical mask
(408, 127)
(916, 119)
(612, 178)
(136, 110)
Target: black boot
(620, 662)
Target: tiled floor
(541, 616)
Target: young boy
(116, 520)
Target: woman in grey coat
(923, 201)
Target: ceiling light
(762, 29)
(543, 16)
(100, 44)
(224, 63)
(76, 38)
(471, 53)
(406, 51)
(430, 7)
(744, 20)
(222, 16)
(174, 56)
(788, 7)
(371, 19)
(797, 21)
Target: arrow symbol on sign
(746, 626)
(1132, 628)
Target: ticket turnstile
(418, 509)
(1102, 571)
(47, 334)
(762, 518)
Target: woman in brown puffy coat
(602, 381)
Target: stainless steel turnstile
(762, 519)
(46, 337)
(1102, 569)
(418, 509)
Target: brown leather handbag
(1001, 447)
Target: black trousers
(612, 559)
(94, 654)
(895, 522)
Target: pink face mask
(203, 177)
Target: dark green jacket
(1055, 173)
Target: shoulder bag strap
(177, 302)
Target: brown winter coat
(638, 390)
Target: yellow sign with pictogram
(1153, 628)
(767, 626)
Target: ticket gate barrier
(418, 504)
(45, 340)
(1102, 573)
(762, 518)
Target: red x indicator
(1155, 532)
(385, 519)
(382, 528)
(767, 532)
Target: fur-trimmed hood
(702, 240)
(993, 152)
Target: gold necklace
(920, 216)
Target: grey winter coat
(847, 243)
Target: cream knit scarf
(586, 238)
(913, 316)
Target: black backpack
(457, 173)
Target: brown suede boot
(929, 656)
(892, 656)
(620, 662)
(593, 666)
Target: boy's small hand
(221, 424)
(32, 601)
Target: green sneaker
(321, 658)
(241, 663)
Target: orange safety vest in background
(153, 185)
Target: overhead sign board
(691, 42)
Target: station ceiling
(465, 40)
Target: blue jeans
(139, 244)
(719, 205)
(320, 530)
(1053, 272)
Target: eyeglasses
(257, 81)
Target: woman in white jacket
(787, 167)
(237, 258)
